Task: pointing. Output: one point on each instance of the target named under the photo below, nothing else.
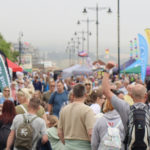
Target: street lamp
(78, 44)
(20, 47)
(88, 33)
(97, 23)
(69, 50)
(83, 39)
(118, 22)
(73, 48)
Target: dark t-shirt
(57, 100)
(37, 85)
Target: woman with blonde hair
(23, 97)
(88, 88)
(110, 119)
(53, 134)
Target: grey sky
(49, 24)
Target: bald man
(138, 92)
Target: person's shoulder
(101, 119)
(18, 107)
(2, 98)
(86, 108)
(18, 117)
(46, 93)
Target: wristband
(108, 71)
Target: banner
(143, 55)
(4, 78)
(148, 35)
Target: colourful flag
(148, 35)
(83, 54)
(143, 56)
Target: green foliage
(5, 48)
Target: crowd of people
(76, 113)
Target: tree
(5, 47)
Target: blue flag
(143, 56)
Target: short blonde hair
(24, 92)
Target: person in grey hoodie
(110, 117)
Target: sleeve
(95, 137)
(60, 125)
(122, 108)
(13, 126)
(43, 128)
(89, 119)
(51, 101)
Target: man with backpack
(136, 118)
(27, 129)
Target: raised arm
(105, 82)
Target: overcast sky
(49, 24)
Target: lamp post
(20, 47)
(97, 9)
(69, 50)
(83, 39)
(118, 22)
(88, 33)
(78, 44)
(73, 49)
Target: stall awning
(14, 66)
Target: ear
(145, 97)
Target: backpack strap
(23, 108)
(129, 127)
(118, 124)
(27, 120)
(33, 119)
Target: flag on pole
(143, 56)
(148, 34)
(83, 54)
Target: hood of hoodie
(111, 115)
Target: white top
(96, 108)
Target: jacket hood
(111, 115)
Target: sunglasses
(87, 84)
(20, 83)
(7, 90)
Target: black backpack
(138, 133)
(4, 133)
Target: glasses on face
(87, 84)
(52, 85)
(20, 83)
(7, 90)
